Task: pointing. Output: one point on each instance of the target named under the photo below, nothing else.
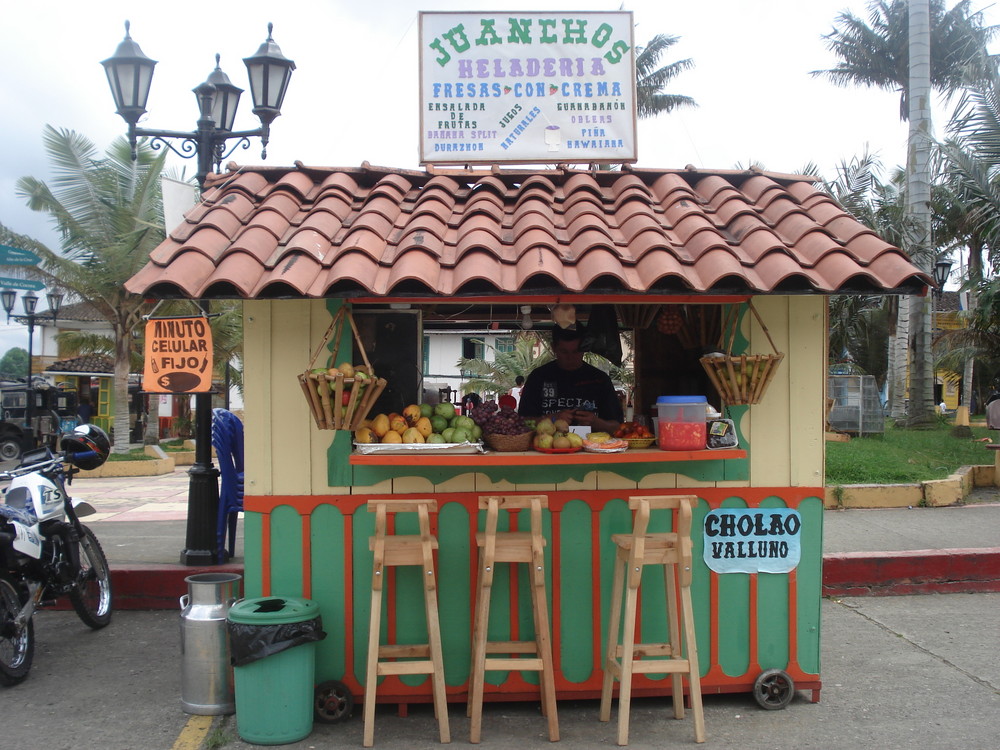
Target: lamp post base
(201, 545)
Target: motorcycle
(45, 551)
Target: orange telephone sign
(178, 355)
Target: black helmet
(87, 446)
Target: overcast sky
(757, 101)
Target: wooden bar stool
(623, 659)
(512, 547)
(393, 550)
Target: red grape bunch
(506, 421)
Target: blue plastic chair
(227, 439)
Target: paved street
(898, 673)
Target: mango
(423, 426)
(411, 414)
(412, 435)
(380, 425)
(392, 437)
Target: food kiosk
(757, 252)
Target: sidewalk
(141, 523)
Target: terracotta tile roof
(372, 232)
(91, 364)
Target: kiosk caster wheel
(332, 702)
(773, 689)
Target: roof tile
(317, 232)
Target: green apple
(436, 438)
(466, 423)
(460, 435)
(448, 433)
(439, 424)
(426, 410)
(477, 432)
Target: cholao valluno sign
(759, 540)
(527, 87)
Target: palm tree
(876, 54)
(107, 212)
(932, 47)
(651, 80)
(496, 376)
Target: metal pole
(31, 388)
(201, 540)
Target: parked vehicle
(53, 413)
(45, 551)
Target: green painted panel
(253, 585)
(363, 528)
(338, 459)
(576, 596)
(701, 597)
(614, 518)
(410, 612)
(734, 614)
(810, 584)
(454, 584)
(772, 611)
(286, 552)
(329, 589)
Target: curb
(912, 572)
(148, 586)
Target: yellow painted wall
(287, 455)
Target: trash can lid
(273, 610)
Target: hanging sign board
(28, 285)
(513, 87)
(15, 256)
(178, 355)
(752, 540)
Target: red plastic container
(681, 423)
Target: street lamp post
(130, 75)
(29, 300)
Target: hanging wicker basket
(335, 401)
(742, 378)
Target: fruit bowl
(640, 442)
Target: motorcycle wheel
(17, 649)
(91, 598)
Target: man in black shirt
(570, 389)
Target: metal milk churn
(206, 673)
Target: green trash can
(272, 641)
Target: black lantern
(269, 71)
(225, 100)
(129, 73)
(942, 269)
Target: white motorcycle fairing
(26, 541)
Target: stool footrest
(511, 647)
(406, 667)
(514, 665)
(644, 650)
(661, 667)
(403, 650)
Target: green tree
(14, 363)
(651, 99)
(875, 54)
(107, 212)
